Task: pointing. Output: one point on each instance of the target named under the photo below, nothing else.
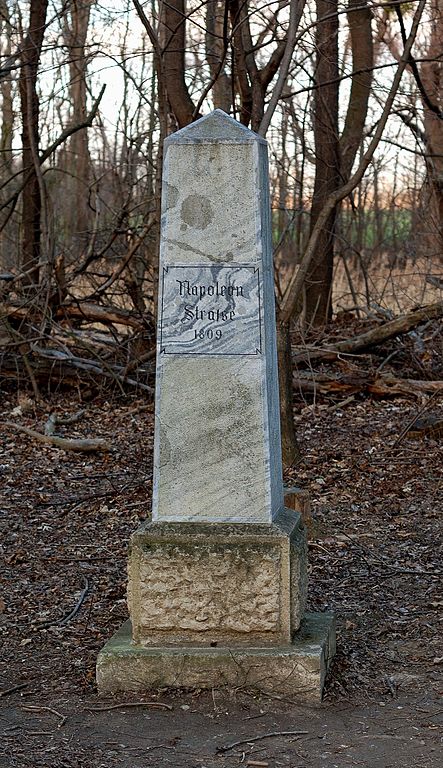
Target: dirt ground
(375, 560)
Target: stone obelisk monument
(217, 580)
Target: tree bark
(432, 80)
(216, 22)
(240, 75)
(30, 108)
(289, 305)
(7, 128)
(173, 36)
(79, 163)
(318, 285)
(359, 19)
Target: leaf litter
(375, 558)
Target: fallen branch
(379, 386)
(31, 708)
(437, 282)
(77, 606)
(378, 335)
(14, 688)
(112, 371)
(84, 445)
(64, 620)
(90, 313)
(123, 705)
(259, 738)
(94, 313)
(52, 365)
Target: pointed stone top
(218, 128)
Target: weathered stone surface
(200, 583)
(217, 434)
(297, 669)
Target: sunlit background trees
(349, 96)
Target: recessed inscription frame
(211, 310)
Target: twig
(341, 404)
(79, 446)
(414, 419)
(136, 410)
(31, 708)
(64, 620)
(66, 134)
(78, 605)
(375, 559)
(123, 705)
(259, 738)
(14, 688)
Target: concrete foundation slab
(297, 669)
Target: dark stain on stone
(197, 211)
(171, 195)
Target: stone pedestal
(232, 585)
(215, 606)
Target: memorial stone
(217, 580)
(217, 435)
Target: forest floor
(375, 560)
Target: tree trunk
(7, 128)
(173, 61)
(359, 19)
(432, 79)
(76, 30)
(30, 108)
(318, 286)
(216, 23)
(240, 71)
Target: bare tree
(30, 107)
(432, 99)
(318, 285)
(7, 127)
(76, 22)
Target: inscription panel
(210, 310)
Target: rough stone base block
(204, 584)
(297, 669)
